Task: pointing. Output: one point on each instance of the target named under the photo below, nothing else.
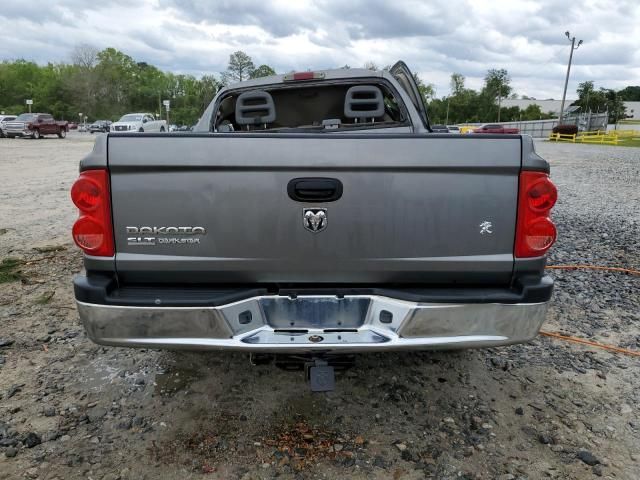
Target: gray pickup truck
(314, 213)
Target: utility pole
(446, 122)
(167, 106)
(499, 101)
(566, 80)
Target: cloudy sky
(434, 38)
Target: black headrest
(363, 101)
(255, 108)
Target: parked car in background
(36, 125)
(453, 128)
(439, 129)
(100, 126)
(3, 119)
(139, 122)
(494, 128)
(73, 126)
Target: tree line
(104, 84)
(484, 106)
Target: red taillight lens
(86, 193)
(535, 232)
(88, 234)
(542, 195)
(93, 232)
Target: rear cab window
(347, 105)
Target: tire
(141, 130)
(62, 133)
(161, 129)
(2, 134)
(36, 135)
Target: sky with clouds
(434, 38)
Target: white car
(139, 122)
(5, 118)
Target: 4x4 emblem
(314, 219)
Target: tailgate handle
(315, 189)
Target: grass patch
(631, 142)
(10, 270)
(45, 297)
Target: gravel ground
(549, 409)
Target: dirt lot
(549, 409)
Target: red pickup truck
(35, 125)
(491, 128)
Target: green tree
(457, 84)
(104, 84)
(534, 112)
(427, 90)
(239, 68)
(630, 93)
(496, 87)
(615, 105)
(587, 96)
(601, 100)
(262, 71)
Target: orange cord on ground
(590, 343)
(580, 340)
(593, 267)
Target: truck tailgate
(414, 208)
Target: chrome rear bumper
(320, 323)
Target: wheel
(141, 130)
(36, 134)
(162, 129)
(62, 133)
(2, 134)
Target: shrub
(565, 129)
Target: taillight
(92, 232)
(535, 232)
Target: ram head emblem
(314, 219)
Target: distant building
(553, 106)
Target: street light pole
(566, 80)
(446, 122)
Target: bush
(566, 129)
